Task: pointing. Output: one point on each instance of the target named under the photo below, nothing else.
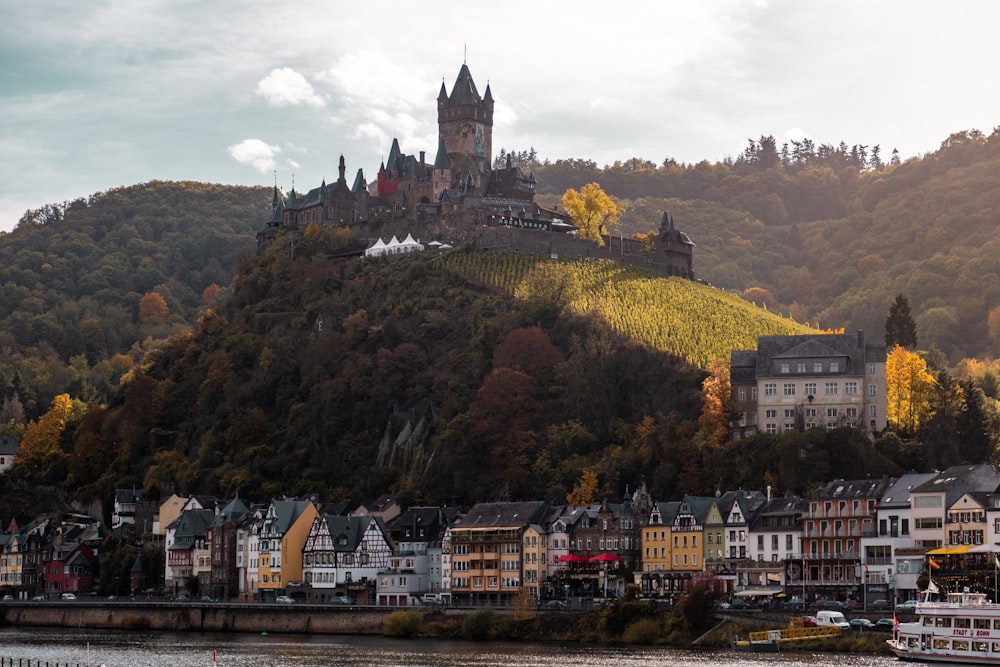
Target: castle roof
(464, 91)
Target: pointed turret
(441, 160)
(464, 91)
(342, 169)
(360, 185)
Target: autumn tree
(153, 309)
(908, 386)
(585, 491)
(716, 410)
(592, 210)
(900, 328)
(42, 455)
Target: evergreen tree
(899, 326)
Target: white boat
(965, 628)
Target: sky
(106, 93)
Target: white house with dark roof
(343, 555)
(8, 450)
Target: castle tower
(465, 126)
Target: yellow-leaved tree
(585, 491)
(908, 387)
(41, 456)
(592, 210)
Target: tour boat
(965, 628)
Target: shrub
(403, 624)
(643, 631)
(479, 624)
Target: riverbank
(631, 623)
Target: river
(140, 649)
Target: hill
(831, 234)
(346, 379)
(74, 276)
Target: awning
(954, 549)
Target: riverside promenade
(237, 617)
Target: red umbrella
(604, 558)
(571, 558)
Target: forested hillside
(88, 281)
(831, 234)
(143, 343)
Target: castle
(493, 208)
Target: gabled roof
(346, 532)
(898, 493)
(961, 479)
(232, 512)
(485, 515)
(285, 514)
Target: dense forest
(143, 342)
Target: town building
(809, 381)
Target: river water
(95, 648)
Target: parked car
(554, 604)
(8, 598)
(907, 607)
(854, 605)
(341, 599)
(885, 625)
(284, 599)
(40, 598)
(793, 604)
(67, 596)
(861, 624)
(809, 622)
(879, 605)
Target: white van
(826, 617)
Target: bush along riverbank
(692, 623)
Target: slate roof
(849, 489)
(488, 515)
(962, 479)
(898, 493)
(346, 532)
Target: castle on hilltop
(461, 194)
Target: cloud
(256, 153)
(285, 87)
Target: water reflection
(175, 649)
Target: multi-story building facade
(838, 515)
(809, 381)
(890, 562)
(226, 551)
(486, 551)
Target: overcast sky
(104, 93)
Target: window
(789, 413)
(800, 367)
(817, 367)
(788, 389)
(741, 393)
(771, 428)
(783, 369)
(810, 388)
(770, 389)
(771, 413)
(873, 410)
(871, 369)
(831, 413)
(852, 413)
(830, 388)
(872, 390)
(753, 393)
(834, 366)
(851, 388)
(811, 412)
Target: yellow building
(282, 538)
(536, 559)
